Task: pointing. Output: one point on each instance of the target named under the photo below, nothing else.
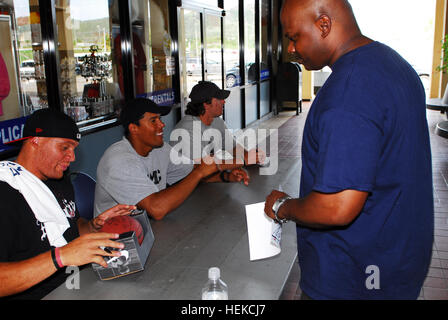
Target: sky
(80, 9)
(405, 25)
(89, 9)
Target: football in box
(133, 255)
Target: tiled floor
(436, 284)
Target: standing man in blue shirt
(365, 214)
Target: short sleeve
(186, 138)
(349, 151)
(223, 138)
(125, 180)
(179, 170)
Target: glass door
(213, 52)
(200, 49)
(190, 52)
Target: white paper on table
(264, 234)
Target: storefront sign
(264, 74)
(11, 130)
(161, 98)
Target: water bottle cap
(214, 273)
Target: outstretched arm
(159, 204)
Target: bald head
(321, 5)
(320, 31)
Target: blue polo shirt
(367, 131)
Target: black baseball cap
(206, 90)
(134, 110)
(48, 123)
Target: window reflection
(231, 44)
(154, 65)
(249, 41)
(24, 71)
(213, 56)
(264, 10)
(190, 53)
(88, 71)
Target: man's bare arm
(319, 210)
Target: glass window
(190, 50)
(264, 16)
(207, 3)
(154, 65)
(22, 73)
(275, 49)
(91, 81)
(249, 41)
(231, 43)
(213, 64)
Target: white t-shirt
(125, 177)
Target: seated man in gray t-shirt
(202, 131)
(139, 169)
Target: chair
(84, 187)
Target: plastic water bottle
(215, 289)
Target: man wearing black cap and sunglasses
(139, 169)
(40, 229)
(204, 112)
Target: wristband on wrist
(276, 208)
(221, 175)
(55, 256)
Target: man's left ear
(324, 25)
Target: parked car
(213, 67)
(194, 66)
(233, 75)
(27, 70)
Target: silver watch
(277, 204)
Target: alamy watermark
(73, 280)
(373, 280)
(195, 144)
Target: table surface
(209, 229)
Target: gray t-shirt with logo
(193, 139)
(123, 176)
